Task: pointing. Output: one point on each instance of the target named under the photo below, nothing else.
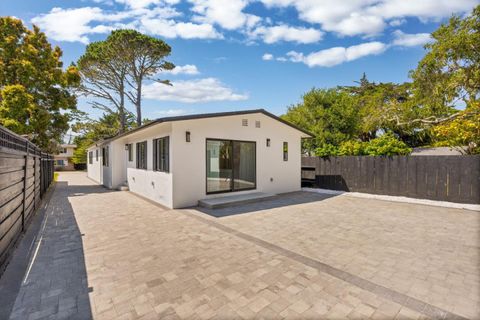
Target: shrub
(351, 148)
(327, 150)
(386, 145)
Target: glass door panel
(219, 166)
(244, 165)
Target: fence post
(24, 185)
(35, 180)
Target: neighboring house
(63, 159)
(177, 161)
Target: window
(60, 162)
(231, 165)
(90, 157)
(105, 156)
(130, 152)
(142, 155)
(161, 160)
(64, 150)
(257, 124)
(285, 151)
(245, 122)
(96, 155)
(268, 142)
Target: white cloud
(364, 49)
(426, 9)
(356, 24)
(337, 55)
(138, 4)
(192, 91)
(369, 17)
(287, 33)
(267, 56)
(186, 69)
(294, 56)
(227, 14)
(77, 24)
(397, 22)
(205, 19)
(69, 24)
(410, 40)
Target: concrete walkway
(102, 254)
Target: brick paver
(111, 255)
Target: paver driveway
(111, 255)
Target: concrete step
(233, 200)
(124, 187)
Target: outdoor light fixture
(268, 142)
(187, 136)
(126, 146)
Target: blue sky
(243, 54)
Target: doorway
(231, 165)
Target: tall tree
(447, 84)
(377, 103)
(36, 94)
(104, 75)
(144, 57)
(448, 76)
(330, 114)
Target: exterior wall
(150, 184)
(273, 174)
(94, 170)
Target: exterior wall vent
(257, 124)
(245, 122)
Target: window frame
(141, 157)
(130, 152)
(96, 155)
(161, 154)
(285, 151)
(90, 157)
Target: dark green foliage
(36, 97)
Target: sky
(248, 54)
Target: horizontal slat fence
(443, 178)
(25, 175)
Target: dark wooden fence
(444, 178)
(25, 175)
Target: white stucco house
(177, 161)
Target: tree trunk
(138, 103)
(121, 111)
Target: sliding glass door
(243, 165)
(231, 165)
(219, 166)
